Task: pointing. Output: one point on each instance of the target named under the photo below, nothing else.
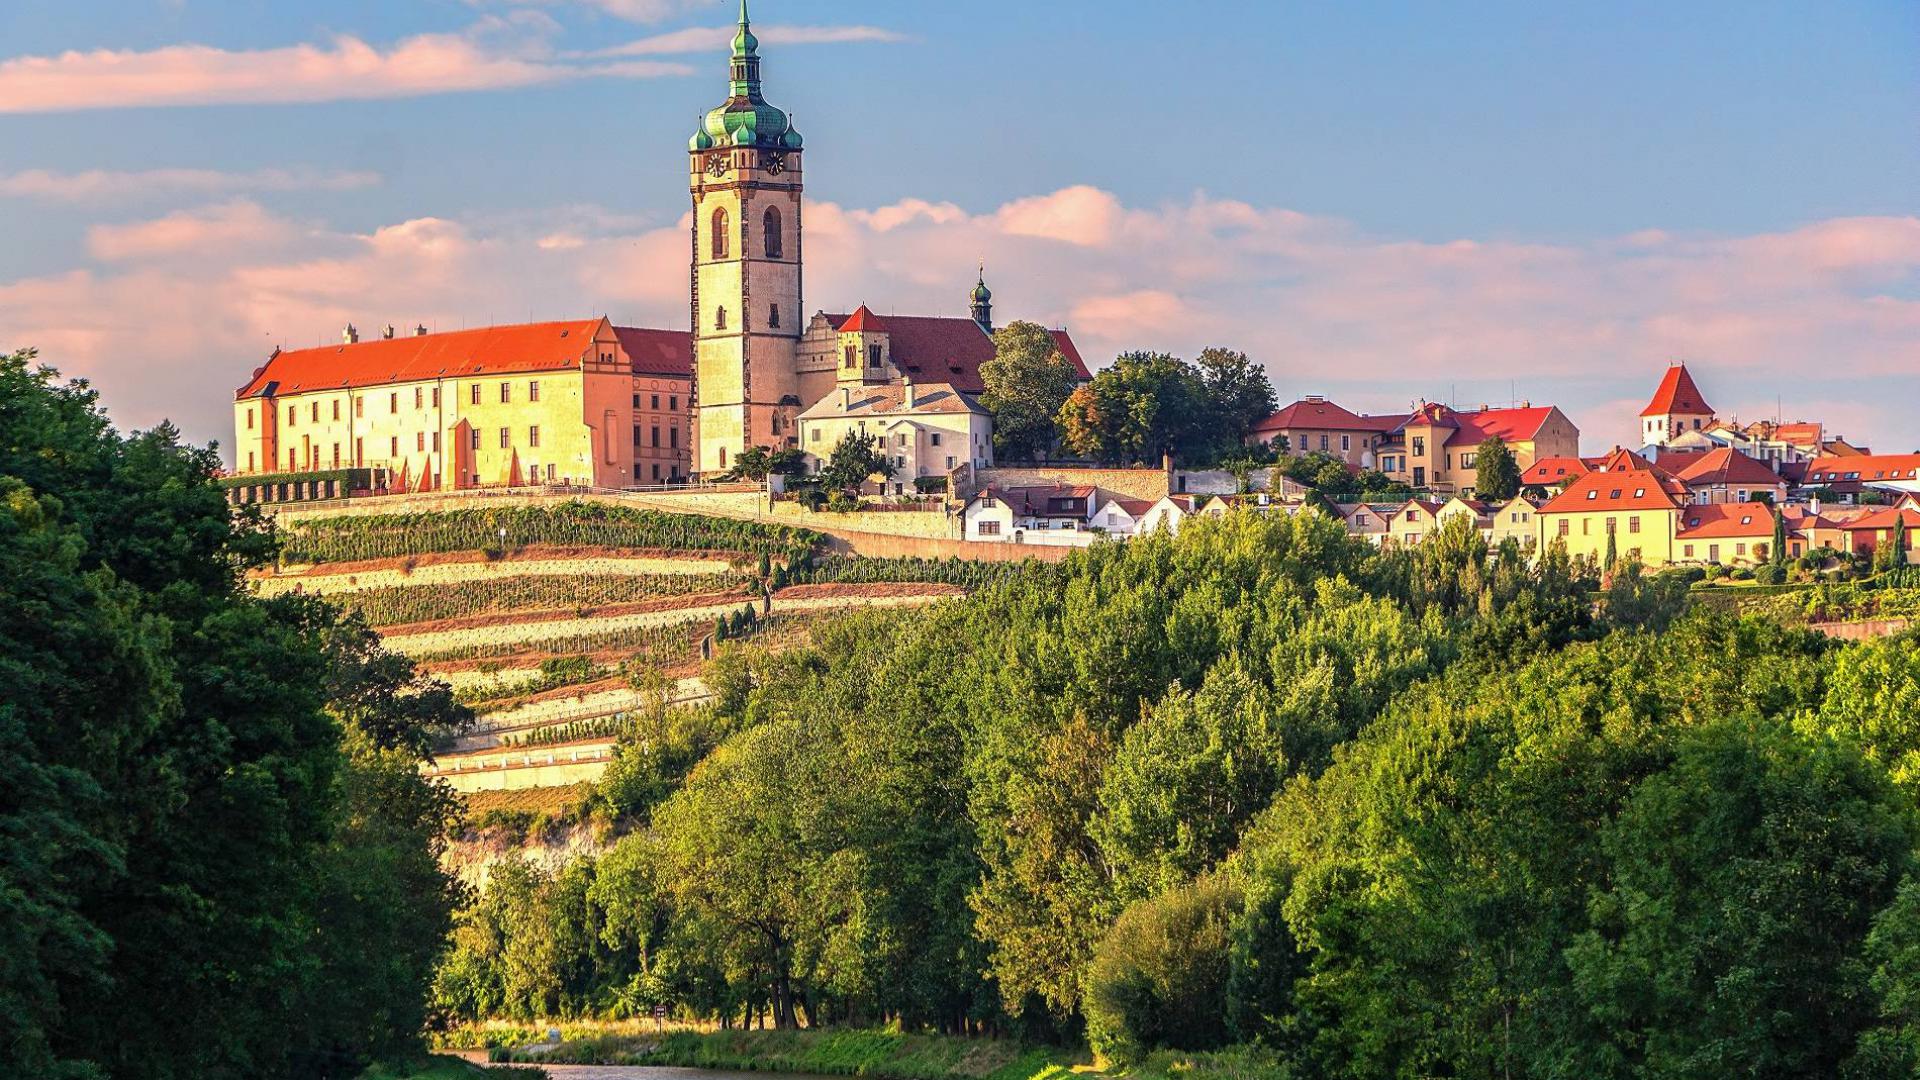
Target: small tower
(1676, 407)
(981, 302)
(866, 349)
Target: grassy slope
(892, 1056)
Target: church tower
(746, 182)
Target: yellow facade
(1646, 535)
(592, 424)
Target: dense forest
(1350, 812)
(1400, 814)
(218, 858)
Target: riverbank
(438, 1067)
(886, 1055)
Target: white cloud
(100, 185)
(184, 306)
(497, 52)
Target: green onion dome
(746, 119)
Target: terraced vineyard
(548, 620)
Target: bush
(842, 503)
(1771, 574)
(1742, 574)
(1159, 977)
(1687, 574)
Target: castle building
(589, 403)
(581, 402)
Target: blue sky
(1556, 198)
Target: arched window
(771, 224)
(720, 319)
(719, 232)
(773, 316)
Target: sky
(1476, 201)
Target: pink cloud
(495, 53)
(184, 305)
(239, 227)
(101, 185)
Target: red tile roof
(1883, 519)
(1511, 425)
(553, 346)
(1726, 466)
(1677, 395)
(1631, 489)
(864, 321)
(1317, 413)
(1864, 468)
(935, 349)
(1554, 470)
(657, 352)
(1727, 520)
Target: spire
(746, 59)
(981, 301)
(746, 119)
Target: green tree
(1024, 386)
(753, 463)
(1777, 550)
(1159, 977)
(1496, 474)
(185, 829)
(856, 459)
(1892, 553)
(1145, 405)
(1727, 933)
(1238, 395)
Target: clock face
(718, 165)
(775, 163)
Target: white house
(1120, 516)
(1167, 514)
(1472, 509)
(1059, 513)
(925, 430)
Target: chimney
(911, 396)
(387, 334)
(846, 398)
(420, 330)
(350, 336)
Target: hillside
(562, 624)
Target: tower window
(720, 319)
(719, 232)
(853, 357)
(770, 223)
(873, 356)
(773, 316)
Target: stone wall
(1132, 483)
